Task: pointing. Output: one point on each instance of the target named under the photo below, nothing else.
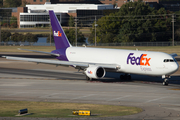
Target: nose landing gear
(166, 81)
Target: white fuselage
(130, 61)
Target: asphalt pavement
(31, 82)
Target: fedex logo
(90, 72)
(141, 60)
(57, 34)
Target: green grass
(15, 48)
(84, 30)
(52, 109)
(166, 49)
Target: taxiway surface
(32, 82)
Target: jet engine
(95, 72)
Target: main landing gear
(88, 79)
(125, 77)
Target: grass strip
(54, 109)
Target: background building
(28, 20)
(115, 3)
(6, 13)
(172, 5)
(38, 16)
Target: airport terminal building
(28, 20)
(38, 16)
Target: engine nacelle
(95, 72)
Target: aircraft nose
(175, 67)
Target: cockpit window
(171, 60)
(168, 60)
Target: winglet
(60, 39)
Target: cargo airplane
(95, 62)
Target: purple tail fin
(60, 38)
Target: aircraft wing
(57, 55)
(65, 63)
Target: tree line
(70, 33)
(6, 36)
(12, 23)
(13, 3)
(134, 22)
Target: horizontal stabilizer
(41, 52)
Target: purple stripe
(62, 53)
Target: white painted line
(15, 93)
(83, 96)
(119, 98)
(64, 71)
(155, 99)
(49, 95)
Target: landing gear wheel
(129, 77)
(121, 77)
(165, 83)
(125, 77)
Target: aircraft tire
(125, 77)
(121, 77)
(129, 77)
(87, 78)
(165, 83)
